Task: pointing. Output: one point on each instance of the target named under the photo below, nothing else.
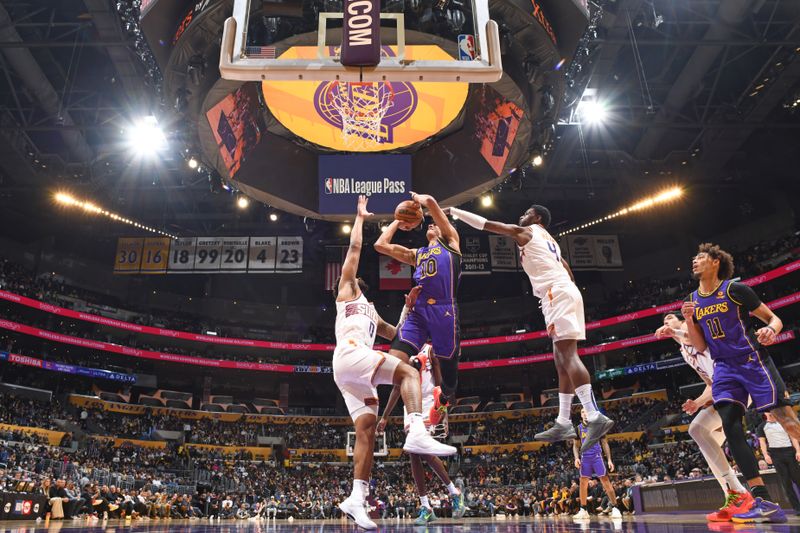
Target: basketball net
(362, 107)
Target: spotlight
(64, 198)
(193, 163)
(273, 217)
(346, 229)
(486, 200)
(537, 160)
(592, 112)
(242, 202)
(146, 137)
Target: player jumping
(358, 369)
(562, 306)
(715, 315)
(590, 463)
(706, 428)
(438, 271)
(430, 375)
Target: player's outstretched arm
(384, 246)
(348, 287)
(520, 234)
(448, 230)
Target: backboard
(481, 62)
(381, 447)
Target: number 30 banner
(210, 255)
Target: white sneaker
(615, 513)
(583, 514)
(421, 443)
(355, 510)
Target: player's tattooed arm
(384, 246)
(449, 232)
(386, 330)
(348, 286)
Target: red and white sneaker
(735, 503)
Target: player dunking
(429, 376)
(438, 272)
(706, 428)
(715, 315)
(358, 369)
(562, 306)
(590, 463)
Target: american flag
(334, 257)
(260, 52)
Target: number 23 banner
(212, 255)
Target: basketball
(409, 213)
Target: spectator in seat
(54, 502)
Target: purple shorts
(437, 323)
(736, 378)
(593, 466)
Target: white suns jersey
(700, 361)
(356, 321)
(541, 260)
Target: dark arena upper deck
(191, 189)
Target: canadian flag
(395, 276)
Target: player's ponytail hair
(725, 259)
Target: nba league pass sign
(384, 179)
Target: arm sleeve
(760, 431)
(744, 296)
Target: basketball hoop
(361, 106)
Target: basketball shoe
(583, 514)
(735, 503)
(421, 443)
(762, 511)
(426, 516)
(595, 430)
(439, 409)
(557, 433)
(357, 512)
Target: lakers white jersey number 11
(356, 321)
(541, 260)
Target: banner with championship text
(592, 252)
(209, 255)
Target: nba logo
(328, 185)
(466, 47)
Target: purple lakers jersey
(594, 450)
(438, 272)
(720, 318)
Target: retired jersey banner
(593, 252)
(384, 179)
(209, 255)
(505, 253)
(394, 275)
(475, 255)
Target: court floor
(665, 523)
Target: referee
(783, 453)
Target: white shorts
(357, 371)
(562, 307)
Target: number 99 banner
(220, 255)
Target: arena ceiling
(701, 92)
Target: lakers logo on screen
(333, 100)
(380, 116)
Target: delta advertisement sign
(384, 179)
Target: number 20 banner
(220, 255)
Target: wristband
(771, 329)
(471, 219)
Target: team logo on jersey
(447, 313)
(720, 295)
